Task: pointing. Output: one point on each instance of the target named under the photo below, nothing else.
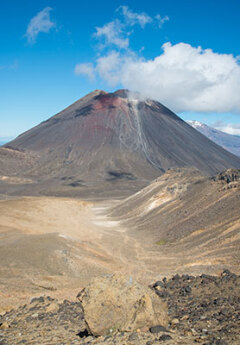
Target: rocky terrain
(118, 184)
(230, 176)
(201, 310)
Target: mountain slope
(184, 211)
(111, 138)
(229, 142)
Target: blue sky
(183, 53)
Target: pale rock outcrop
(117, 303)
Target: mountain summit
(117, 136)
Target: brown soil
(58, 244)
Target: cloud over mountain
(230, 128)
(183, 77)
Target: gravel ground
(203, 310)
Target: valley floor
(55, 246)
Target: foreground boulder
(116, 303)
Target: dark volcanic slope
(110, 137)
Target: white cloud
(132, 18)
(161, 20)
(117, 32)
(110, 67)
(113, 34)
(40, 23)
(183, 77)
(86, 69)
(230, 128)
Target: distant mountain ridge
(229, 142)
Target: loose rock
(164, 337)
(117, 303)
(158, 329)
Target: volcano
(115, 137)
